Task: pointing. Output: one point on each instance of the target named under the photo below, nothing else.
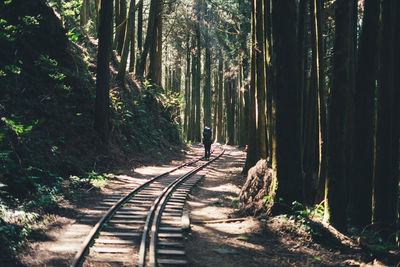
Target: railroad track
(144, 227)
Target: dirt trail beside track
(218, 236)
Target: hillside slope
(48, 147)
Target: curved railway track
(144, 228)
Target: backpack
(207, 133)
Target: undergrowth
(310, 218)
(49, 152)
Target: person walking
(207, 141)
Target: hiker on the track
(207, 141)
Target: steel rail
(79, 256)
(154, 216)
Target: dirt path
(217, 239)
(234, 241)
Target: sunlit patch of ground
(60, 239)
(219, 238)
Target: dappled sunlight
(222, 188)
(153, 170)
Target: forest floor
(219, 236)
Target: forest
(309, 86)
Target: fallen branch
(219, 221)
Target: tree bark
(133, 43)
(311, 129)
(139, 33)
(83, 16)
(127, 41)
(155, 65)
(192, 120)
(336, 177)
(251, 156)
(260, 81)
(101, 119)
(220, 125)
(121, 18)
(242, 104)
(151, 38)
(361, 194)
(288, 156)
(187, 88)
(322, 106)
(215, 97)
(207, 77)
(207, 88)
(387, 147)
(198, 135)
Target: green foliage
(17, 128)
(30, 20)
(302, 215)
(69, 11)
(7, 163)
(47, 198)
(269, 201)
(12, 69)
(49, 66)
(91, 179)
(371, 238)
(24, 26)
(73, 35)
(315, 260)
(243, 237)
(15, 228)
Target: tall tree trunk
(198, 72)
(302, 66)
(229, 105)
(215, 99)
(127, 41)
(251, 156)
(231, 113)
(155, 50)
(139, 34)
(207, 73)
(322, 105)
(192, 120)
(220, 124)
(207, 84)
(97, 4)
(83, 16)
(336, 177)
(151, 38)
(116, 12)
(396, 114)
(158, 62)
(288, 155)
(133, 43)
(260, 81)
(101, 118)
(187, 88)
(242, 104)
(311, 129)
(361, 194)
(121, 18)
(177, 77)
(385, 178)
(349, 132)
(270, 94)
